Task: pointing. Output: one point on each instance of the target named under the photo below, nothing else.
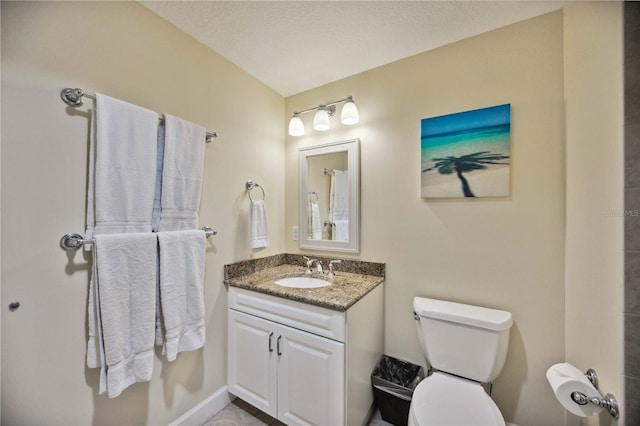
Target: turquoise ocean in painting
(485, 130)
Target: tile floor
(239, 413)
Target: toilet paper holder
(608, 402)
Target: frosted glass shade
(296, 126)
(321, 120)
(349, 114)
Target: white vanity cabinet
(304, 364)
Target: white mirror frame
(352, 148)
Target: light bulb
(349, 114)
(296, 126)
(321, 120)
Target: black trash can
(393, 382)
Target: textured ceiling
(293, 46)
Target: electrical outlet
(295, 233)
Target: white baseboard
(206, 409)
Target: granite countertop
(346, 288)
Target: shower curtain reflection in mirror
(339, 206)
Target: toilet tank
(465, 340)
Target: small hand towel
(258, 228)
(182, 170)
(124, 305)
(182, 265)
(122, 168)
(315, 227)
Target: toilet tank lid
(477, 316)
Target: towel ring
(250, 185)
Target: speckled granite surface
(353, 279)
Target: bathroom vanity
(304, 356)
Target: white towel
(122, 168)
(314, 216)
(258, 227)
(182, 170)
(182, 260)
(124, 294)
(157, 208)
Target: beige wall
(594, 227)
(506, 253)
(123, 50)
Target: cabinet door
(310, 379)
(252, 371)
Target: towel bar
(73, 241)
(73, 97)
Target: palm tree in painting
(465, 164)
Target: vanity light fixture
(296, 126)
(323, 115)
(321, 119)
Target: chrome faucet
(330, 273)
(309, 265)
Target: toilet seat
(442, 399)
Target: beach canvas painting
(467, 154)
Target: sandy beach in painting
(492, 182)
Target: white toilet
(466, 346)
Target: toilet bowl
(443, 399)
(466, 346)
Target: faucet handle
(309, 264)
(331, 274)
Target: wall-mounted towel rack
(250, 185)
(73, 241)
(73, 97)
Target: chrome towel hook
(250, 185)
(73, 97)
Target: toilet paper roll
(565, 379)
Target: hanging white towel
(124, 294)
(258, 227)
(182, 169)
(95, 348)
(182, 265)
(157, 207)
(122, 168)
(316, 225)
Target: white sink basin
(302, 282)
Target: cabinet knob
(270, 336)
(278, 345)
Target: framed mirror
(329, 197)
